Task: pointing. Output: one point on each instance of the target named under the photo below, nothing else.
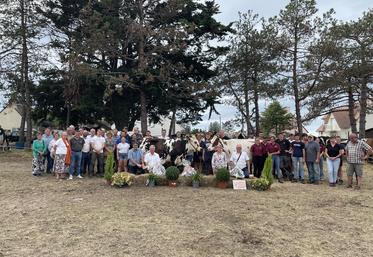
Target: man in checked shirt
(357, 152)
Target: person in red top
(274, 150)
(258, 150)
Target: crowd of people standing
(82, 152)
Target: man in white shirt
(85, 153)
(97, 146)
(240, 159)
(151, 159)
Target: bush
(172, 173)
(122, 179)
(267, 170)
(197, 177)
(222, 174)
(260, 184)
(109, 167)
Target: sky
(346, 10)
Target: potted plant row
(172, 174)
(196, 179)
(222, 177)
(151, 180)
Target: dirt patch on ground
(45, 217)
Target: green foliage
(222, 175)
(260, 184)
(267, 170)
(275, 118)
(197, 177)
(152, 177)
(214, 126)
(109, 166)
(122, 179)
(172, 173)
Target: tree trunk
(172, 129)
(363, 107)
(351, 109)
(24, 71)
(68, 114)
(22, 126)
(257, 113)
(141, 68)
(143, 113)
(295, 85)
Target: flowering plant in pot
(121, 179)
(172, 174)
(196, 179)
(222, 177)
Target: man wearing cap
(312, 151)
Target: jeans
(86, 159)
(298, 167)
(276, 165)
(313, 171)
(285, 165)
(76, 157)
(50, 161)
(246, 172)
(321, 168)
(99, 157)
(333, 167)
(135, 170)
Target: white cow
(229, 146)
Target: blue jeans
(298, 167)
(321, 168)
(313, 171)
(333, 167)
(50, 161)
(276, 165)
(86, 159)
(75, 157)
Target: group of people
(290, 155)
(84, 152)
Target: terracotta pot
(222, 184)
(172, 183)
(108, 182)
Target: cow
(4, 142)
(229, 145)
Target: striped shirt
(355, 152)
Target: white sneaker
(70, 177)
(79, 176)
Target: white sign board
(239, 184)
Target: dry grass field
(45, 217)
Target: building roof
(342, 118)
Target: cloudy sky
(345, 10)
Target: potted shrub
(122, 179)
(222, 177)
(151, 180)
(172, 174)
(196, 179)
(259, 184)
(109, 168)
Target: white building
(337, 123)
(10, 117)
(156, 129)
